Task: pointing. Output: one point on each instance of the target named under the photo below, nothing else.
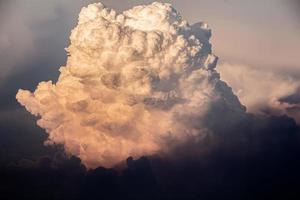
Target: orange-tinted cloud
(132, 83)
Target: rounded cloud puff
(133, 84)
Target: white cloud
(132, 82)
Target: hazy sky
(251, 32)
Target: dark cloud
(292, 99)
(256, 159)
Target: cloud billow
(134, 84)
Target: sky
(261, 34)
(258, 45)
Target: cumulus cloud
(134, 82)
(262, 91)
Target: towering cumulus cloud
(133, 84)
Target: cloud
(262, 91)
(134, 83)
(258, 160)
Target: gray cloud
(263, 91)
